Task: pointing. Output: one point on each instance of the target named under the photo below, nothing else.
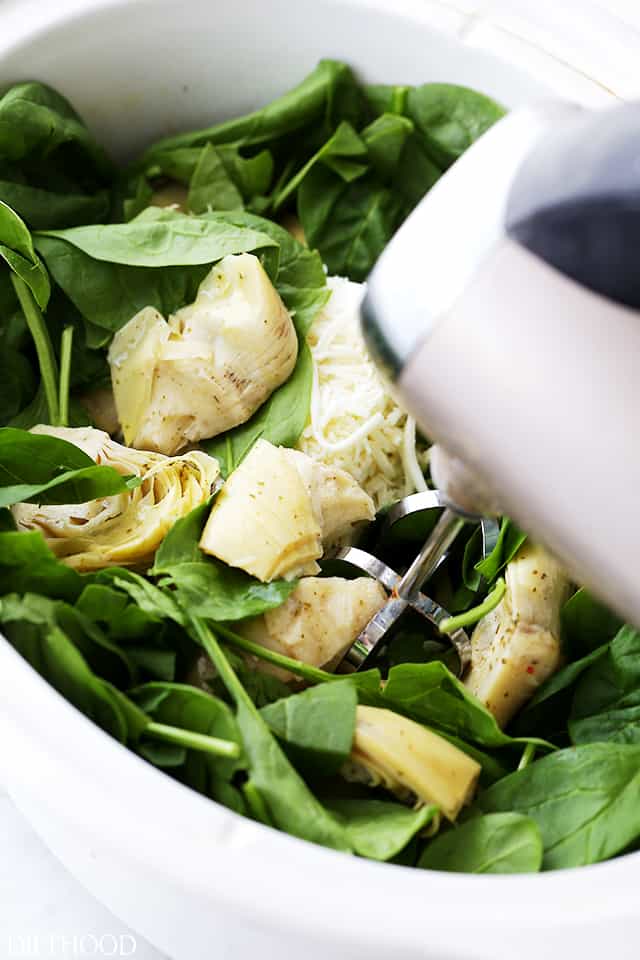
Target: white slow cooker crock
(195, 879)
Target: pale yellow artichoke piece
(126, 529)
(516, 647)
(134, 355)
(410, 761)
(278, 511)
(317, 623)
(262, 520)
(339, 502)
(211, 366)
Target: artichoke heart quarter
(210, 366)
(517, 646)
(410, 761)
(126, 529)
(317, 622)
(279, 510)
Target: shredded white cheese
(355, 423)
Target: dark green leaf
(379, 829)
(157, 238)
(28, 565)
(585, 800)
(509, 542)
(429, 693)
(16, 248)
(289, 801)
(29, 624)
(495, 843)
(385, 141)
(316, 726)
(47, 210)
(211, 187)
(52, 172)
(344, 153)
(45, 469)
(606, 704)
(34, 119)
(194, 710)
(450, 118)
(349, 223)
(587, 623)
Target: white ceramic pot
(197, 880)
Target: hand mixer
(505, 312)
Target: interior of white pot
(140, 70)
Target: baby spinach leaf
(157, 238)
(429, 693)
(565, 678)
(46, 210)
(52, 172)
(495, 843)
(379, 829)
(16, 248)
(325, 96)
(42, 469)
(289, 801)
(108, 295)
(209, 588)
(450, 118)
(415, 173)
(585, 800)
(349, 223)
(211, 187)
(216, 592)
(587, 623)
(387, 98)
(509, 542)
(28, 565)
(17, 384)
(146, 640)
(606, 704)
(151, 599)
(30, 626)
(105, 657)
(36, 120)
(181, 545)
(344, 153)
(385, 140)
(316, 726)
(185, 707)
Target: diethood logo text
(71, 945)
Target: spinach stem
(192, 740)
(255, 802)
(42, 341)
(229, 454)
(528, 755)
(304, 670)
(469, 617)
(66, 344)
(206, 638)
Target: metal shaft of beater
(408, 587)
(441, 538)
